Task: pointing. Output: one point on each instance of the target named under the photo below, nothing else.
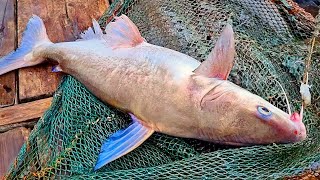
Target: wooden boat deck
(26, 93)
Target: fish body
(149, 81)
(163, 90)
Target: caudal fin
(34, 35)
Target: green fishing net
(271, 48)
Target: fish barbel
(163, 90)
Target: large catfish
(163, 90)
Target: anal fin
(122, 142)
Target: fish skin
(160, 87)
(130, 77)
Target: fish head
(232, 115)
(239, 117)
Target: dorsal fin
(97, 28)
(122, 33)
(220, 61)
(93, 32)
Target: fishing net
(271, 46)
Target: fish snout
(299, 131)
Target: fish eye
(264, 112)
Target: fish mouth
(298, 132)
(296, 135)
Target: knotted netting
(271, 46)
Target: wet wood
(64, 20)
(10, 144)
(24, 112)
(7, 44)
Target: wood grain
(64, 20)
(7, 44)
(10, 144)
(38, 82)
(27, 124)
(24, 112)
(81, 13)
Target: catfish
(163, 90)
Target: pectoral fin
(220, 61)
(122, 142)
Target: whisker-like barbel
(285, 95)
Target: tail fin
(34, 35)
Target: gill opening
(285, 95)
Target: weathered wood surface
(7, 44)
(39, 81)
(64, 20)
(27, 124)
(10, 144)
(24, 112)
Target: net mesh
(270, 45)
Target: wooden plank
(62, 25)
(38, 82)
(26, 124)
(7, 44)
(24, 112)
(81, 12)
(10, 144)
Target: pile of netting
(271, 46)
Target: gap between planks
(24, 112)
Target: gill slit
(212, 89)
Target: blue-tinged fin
(34, 35)
(122, 142)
